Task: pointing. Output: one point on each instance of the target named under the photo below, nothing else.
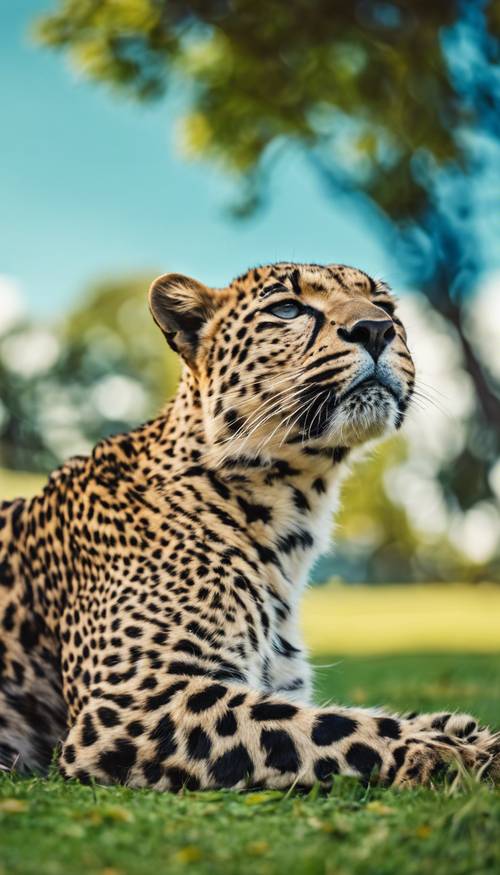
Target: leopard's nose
(373, 334)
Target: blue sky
(92, 186)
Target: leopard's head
(290, 355)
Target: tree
(64, 388)
(397, 102)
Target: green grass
(53, 828)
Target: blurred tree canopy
(261, 72)
(101, 370)
(397, 102)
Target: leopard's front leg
(202, 734)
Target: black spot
(179, 779)
(339, 453)
(273, 711)
(199, 744)
(160, 638)
(388, 728)
(188, 668)
(82, 776)
(226, 725)
(227, 672)
(230, 418)
(118, 761)
(325, 768)
(237, 700)
(199, 702)
(440, 722)
(135, 728)
(108, 716)
(149, 683)
(281, 751)
(8, 617)
(319, 486)
(218, 485)
(300, 500)
(70, 753)
(294, 276)
(470, 727)
(284, 648)
(154, 702)
(266, 555)
(163, 733)
(332, 727)
(152, 771)
(232, 767)
(447, 739)
(6, 576)
(29, 634)
(363, 758)
(254, 512)
(199, 631)
(187, 646)
(133, 631)
(289, 542)
(122, 700)
(89, 734)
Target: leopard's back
(32, 709)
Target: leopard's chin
(369, 412)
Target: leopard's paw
(424, 756)
(462, 726)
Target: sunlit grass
(385, 619)
(14, 484)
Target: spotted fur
(149, 594)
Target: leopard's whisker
(269, 402)
(255, 419)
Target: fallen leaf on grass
(189, 854)
(13, 806)
(377, 807)
(423, 831)
(118, 814)
(209, 796)
(97, 816)
(256, 849)
(322, 825)
(262, 798)
(341, 825)
(72, 831)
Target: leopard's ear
(180, 307)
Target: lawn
(53, 828)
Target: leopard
(150, 592)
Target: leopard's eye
(286, 309)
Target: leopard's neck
(282, 503)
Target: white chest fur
(283, 667)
